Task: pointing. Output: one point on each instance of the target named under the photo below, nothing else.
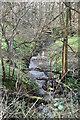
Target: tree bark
(65, 41)
(2, 62)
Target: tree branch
(71, 8)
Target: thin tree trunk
(9, 72)
(78, 41)
(62, 25)
(13, 72)
(2, 62)
(62, 60)
(65, 55)
(69, 16)
(65, 41)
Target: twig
(71, 8)
(31, 108)
(72, 49)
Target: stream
(42, 62)
(39, 61)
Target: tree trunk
(65, 55)
(2, 62)
(65, 41)
(79, 41)
(70, 19)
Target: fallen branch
(35, 97)
(31, 108)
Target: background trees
(26, 30)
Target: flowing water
(39, 61)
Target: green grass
(72, 83)
(73, 42)
(54, 48)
